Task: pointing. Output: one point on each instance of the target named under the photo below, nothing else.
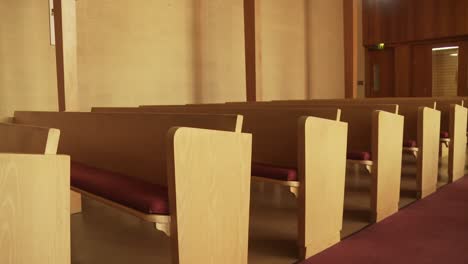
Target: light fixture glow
(445, 48)
(454, 54)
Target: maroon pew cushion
(274, 172)
(358, 155)
(444, 134)
(409, 143)
(142, 196)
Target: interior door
(380, 73)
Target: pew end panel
(387, 148)
(34, 204)
(322, 170)
(209, 193)
(28, 139)
(428, 157)
(457, 147)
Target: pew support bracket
(292, 185)
(412, 151)
(366, 163)
(161, 222)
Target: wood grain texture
(428, 156)
(457, 147)
(28, 139)
(209, 190)
(320, 151)
(413, 20)
(132, 144)
(35, 219)
(387, 147)
(322, 170)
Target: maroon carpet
(432, 230)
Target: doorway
(380, 73)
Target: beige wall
(281, 50)
(160, 52)
(27, 61)
(173, 52)
(326, 48)
(300, 49)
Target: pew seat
(410, 143)
(274, 172)
(358, 155)
(145, 197)
(444, 134)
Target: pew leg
(163, 227)
(294, 191)
(75, 202)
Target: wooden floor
(103, 235)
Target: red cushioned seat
(274, 172)
(142, 196)
(409, 143)
(358, 155)
(444, 134)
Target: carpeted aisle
(431, 231)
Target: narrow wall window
(51, 22)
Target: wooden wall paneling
(350, 19)
(403, 71)
(209, 190)
(463, 69)
(421, 78)
(250, 50)
(401, 21)
(428, 156)
(34, 193)
(66, 54)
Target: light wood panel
(322, 146)
(34, 201)
(457, 147)
(28, 139)
(132, 144)
(387, 155)
(428, 144)
(209, 188)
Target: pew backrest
(275, 131)
(132, 144)
(25, 139)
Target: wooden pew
(453, 121)
(195, 169)
(422, 123)
(365, 122)
(283, 138)
(34, 196)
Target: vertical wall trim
(250, 50)
(350, 18)
(66, 54)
